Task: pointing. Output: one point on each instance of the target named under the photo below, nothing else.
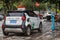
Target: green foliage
(31, 5)
(1, 6)
(28, 4)
(43, 6)
(53, 1)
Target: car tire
(5, 33)
(28, 31)
(40, 27)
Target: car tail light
(23, 18)
(4, 17)
(3, 26)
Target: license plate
(12, 21)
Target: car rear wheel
(40, 27)
(28, 31)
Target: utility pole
(59, 5)
(53, 25)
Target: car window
(32, 14)
(35, 15)
(15, 14)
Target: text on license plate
(12, 21)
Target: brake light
(2, 25)
(23, 18)
(4, 17)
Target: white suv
(21, 21)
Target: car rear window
(15, 14)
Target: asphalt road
(35, 34)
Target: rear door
(36, 21)
(33, 20)
(14, 18)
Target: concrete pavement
(1, 34)
(1, 22)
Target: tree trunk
(59, 5)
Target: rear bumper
(13, 26)
(15, 30)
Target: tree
(8, 4)
(28, 3)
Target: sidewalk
(1, 38)
(57, 37)
(49, 36)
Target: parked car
(1, 17)
(21, 21)
(46, 14)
